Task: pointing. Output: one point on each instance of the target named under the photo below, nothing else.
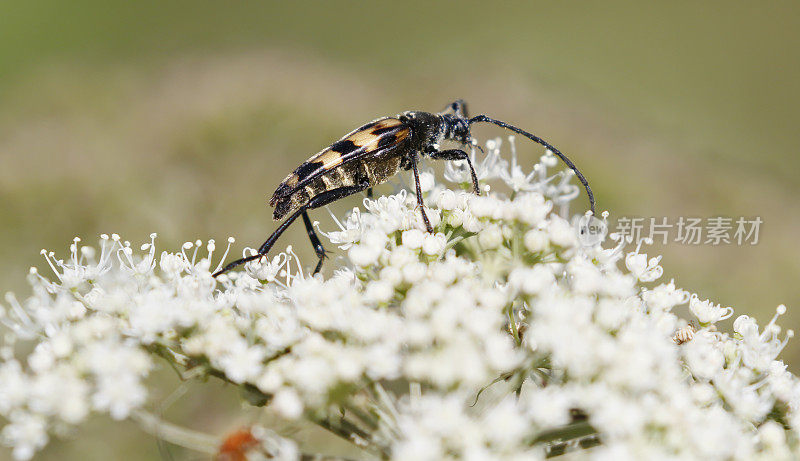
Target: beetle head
(455, 128)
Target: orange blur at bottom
(236, 445)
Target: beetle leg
(312, 235)
(333, 195)
(264, 249)
(322, 200)
(316, 202)
(458, 154)
(237, 263)
(319, 200)
(369, 192)
(420, 204)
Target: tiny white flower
(447, 200)
(491, 237)
(702, 357)
(708, 312)
(536, 241)
(531, 281)
(27, 433)
(287, 403)
(363, 255)
(665, 296)
(242, 362)
(470, 222)
(414, 272)
(119, 395)
(379, 291)
(561, 233)
(641, 268)
(413, 238)
(426, 181)
(483, 206)
(747, 327)
(549, 408)
(434, 244)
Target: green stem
(363, 416)
(559, 449)
(197, 441)
(562, 434)
(349, 431)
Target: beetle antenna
(479, 148)
(538, 140)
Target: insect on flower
(372, 154)
(684, 334)
(236, 446)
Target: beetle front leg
(458, 154)
(420, 203)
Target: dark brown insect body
(374, 144)
(369, 156)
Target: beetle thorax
(427, 128)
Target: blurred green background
(182, 117)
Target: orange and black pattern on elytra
(372, 137)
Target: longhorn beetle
(369, 156)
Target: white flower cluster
(503, 335)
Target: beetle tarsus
(236, 263)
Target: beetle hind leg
(265, 247)
(238, 262)
(312, 235)
(320, 200)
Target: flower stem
(175, 434)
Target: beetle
(370, 155)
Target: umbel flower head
(506, 334)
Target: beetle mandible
(372, 154)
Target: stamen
(290, 252)
(30, 328)
(224, 255)
(335, 219)
(780, 310)
(47, 257)
(185, 247)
